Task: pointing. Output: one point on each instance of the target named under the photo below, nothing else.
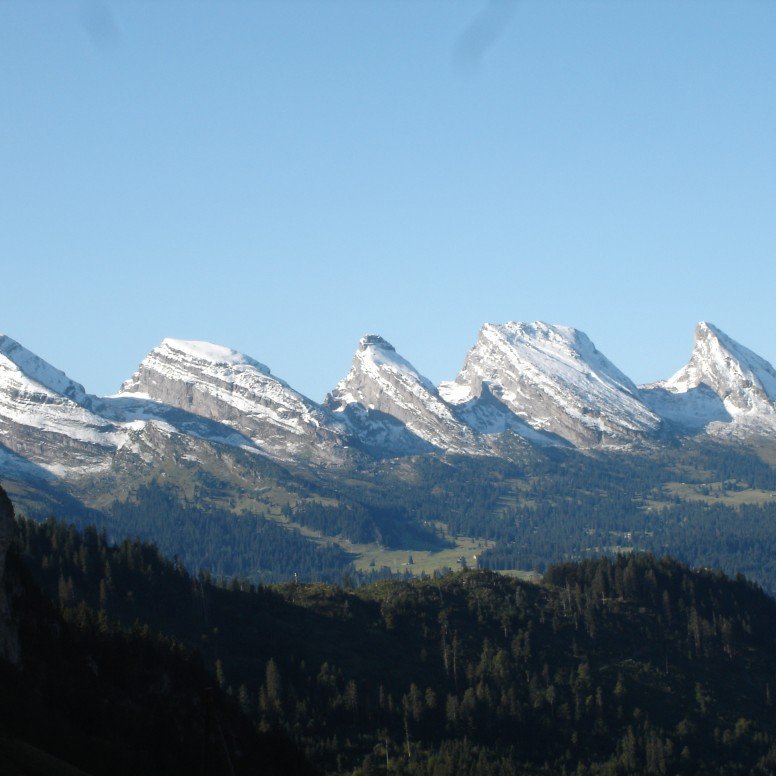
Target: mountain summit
(724, 387)
(233, 389)
(554, 379)
(382, 388)
(46, 425)
(742, 378)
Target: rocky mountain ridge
(388, 387)
(544, 384)
(725, 388)
(238, 392)
(554, 379)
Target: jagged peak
(555, 379)
(534, 328)
(40, 371)
(724, 365)
(712, 348)
(704, 326)
(375, 353)
(705, 331)
(552, 336)
(375, 341)
(708, 332)
(384, 384)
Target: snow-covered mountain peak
(45, 417)
(722, 382)
(546, 383)
(376, 354)
(16, 358)
(195, 361)
(384, 384)
(228, 387)
(375, 341)
(731, 370)
(555, 379)
(563, 346)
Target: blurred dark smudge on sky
(99, 23)
(485, 29)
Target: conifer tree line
(630, 664)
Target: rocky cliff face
(489, 416)
(9, 636)
(235, 390)
(382, 388)
(555, 380)
(547, 384)
(725, 388)
(50, 426)
(44, 417)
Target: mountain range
(540, 450)
(546, 385)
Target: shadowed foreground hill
(629, 665)
(82, 694)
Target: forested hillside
(706, 504)
(87, 694)
(632, 664)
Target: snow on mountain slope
(381, 386)
(547, 384)
(725, 388)
(49, 421)
(488, 415)
(556, 381)
(233, 389)
(380, 434)
(692, 410)
(36, 369)
(741, 377)
(138, 410)
(42, 418)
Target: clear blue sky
(285, 177)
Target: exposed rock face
(9, 635)
(381, 386)
(35, 369)
(725, 388)
(237, 391)
(43, 416)
(547, 384)
(489, 416)
(378, 433)
(49, 426)
(555, 380)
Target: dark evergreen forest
(630, 664)
(225, 544)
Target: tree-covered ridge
(622, 665)
(565, 505)
(91, 695)
(706, 504)
(224, 543)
